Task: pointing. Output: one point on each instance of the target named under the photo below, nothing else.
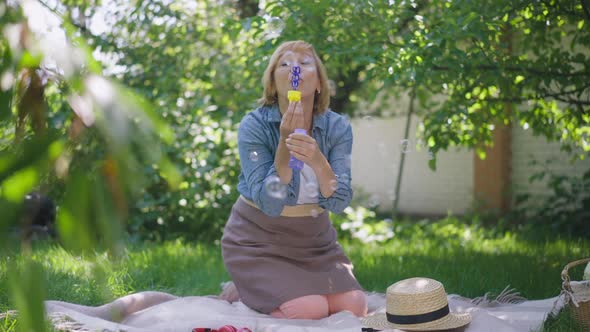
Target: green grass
(469, 260)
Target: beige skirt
(276, 259)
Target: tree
(473, 67)
(479, 56)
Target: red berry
(227, 328)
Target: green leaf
(5, 102)
(10, 212)
(29, 60)
(19, 184)
(431, 141)
(91, 213)
(432, 164)
(27, 288)
(5, 95)
(74, 218)
(170, 173)
(481, 153)
(29, 153)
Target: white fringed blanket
(155, 311)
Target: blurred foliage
(200, 64)
(203, 77)
(478, 66)
(564, 209)
(360, 222)
(66, 128)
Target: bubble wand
(294, 95)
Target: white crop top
(308, 186)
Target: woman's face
(309, 80)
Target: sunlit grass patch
(469, 260)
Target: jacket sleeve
(339, 157)
(261, 176)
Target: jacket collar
(274, 115)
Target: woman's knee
(305, 307)
(354, 301)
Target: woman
(279, 245)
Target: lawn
(469, 260)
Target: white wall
(376, 160)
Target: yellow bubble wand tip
(294, 95)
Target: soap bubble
(275, 188)
(314, 213)
(420, 144)
(405, 146)
(254, 156)
(274, 27)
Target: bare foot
(229, 292)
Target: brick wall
(527, 148)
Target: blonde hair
(269, 95)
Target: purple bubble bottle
(295, 163)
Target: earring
(318, 91)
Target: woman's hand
(292, 119)
(305, 148)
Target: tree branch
(518, 100)
(573, 102)
(520, 69)
(566, 92)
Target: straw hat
(417, 304)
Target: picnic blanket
(155, 311)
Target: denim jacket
(258, 135)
